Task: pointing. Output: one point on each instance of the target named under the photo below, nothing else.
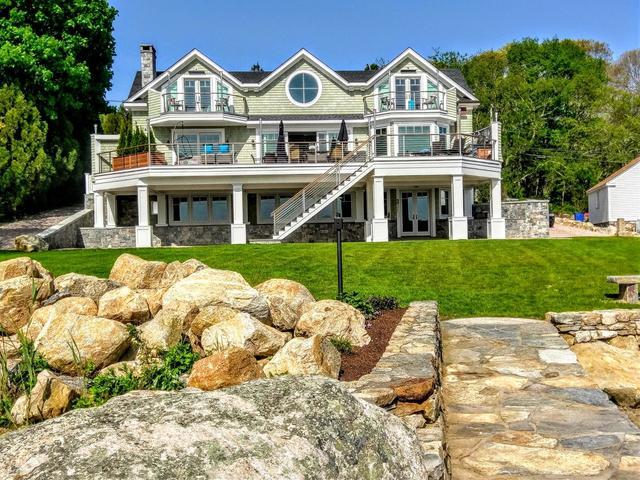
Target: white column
(143, 229)
(162, 209)
(434, 205)
(468, 202)
(238, 227)
(98, 210)
(458, 226)
(358, 195)
(379, 223)
(496, 224)
(111, 210)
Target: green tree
(549, 97)
(114, 121)
(25, 168)
(448, 59)
(60, 53)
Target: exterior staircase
(322, 191)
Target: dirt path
(567, 231)
(33, 224)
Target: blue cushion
(224, 148)
(208, 149)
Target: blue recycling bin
(578, 217)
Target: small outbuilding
(617, 196)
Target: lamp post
(338, 226)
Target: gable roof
(349, 78)
(614, 175)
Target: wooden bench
(628, 287)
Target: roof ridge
(615, 174)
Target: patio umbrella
(343, 135)
(281, 149)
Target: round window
(303, 88)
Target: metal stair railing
(322, 186)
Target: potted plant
(136, 149)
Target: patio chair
(269, 158)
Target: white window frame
(179, 81)
(263, 221)
(424, 84)
(295, 102)
(210, 220)
(447, 193)
(197, 132)
(433, 127)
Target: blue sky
(348, 34)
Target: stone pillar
(458, 223)
(379, 223)
(238, 227)
(162, 209)
(98, 210)
(111, 210)
(143, 229)
(496, 224)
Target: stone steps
(516, 404)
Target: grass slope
(524, 278)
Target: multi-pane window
(303, 88)
(269, 142)
(266, 206)
(414, 139)
(444, 203)
(346, 206)
(325, 139)
(203, 209)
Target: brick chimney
(147, 63)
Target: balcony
(190, 107)
(478, 145)
(402, 101)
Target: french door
(415, 213)
(408, 93)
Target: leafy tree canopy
(60, 53)
(24, 165)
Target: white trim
(135, 106)
(302, 72)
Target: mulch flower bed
(362, 360)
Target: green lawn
(468, 278)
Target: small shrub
(358, 301)
(23, 377)
(105, 386)
(380, 303)
(176, 361)
(342, 344)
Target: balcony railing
(408, 101)
(383, 146)
(190, 102)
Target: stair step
(265, 241)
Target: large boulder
(124, 305)
(9, 347)
(287, 427)
(79, 305)
(19, 297)
(315, 355)
(224, 369)
(134, 272)
(287, 301)
(51, 396)
(23, 267)
(78, 285)
(163, 331)
(30, 243)
(71, 340)
(176, 271)
(205, 318)
(218, 287)
(243, 331)
(335, 319)
(615, 370)
(153, 296)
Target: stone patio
(517, 404)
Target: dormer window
(303, 88)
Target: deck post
(496, 224)
(238, 227)
(111, 210)
(379, 223)
(143, 229)
(458, 222)
(98, 209)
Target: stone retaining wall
(523, 219)
(66, 234)
(406, 380)
(582, 327)
(115, 237)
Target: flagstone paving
(518, 405)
